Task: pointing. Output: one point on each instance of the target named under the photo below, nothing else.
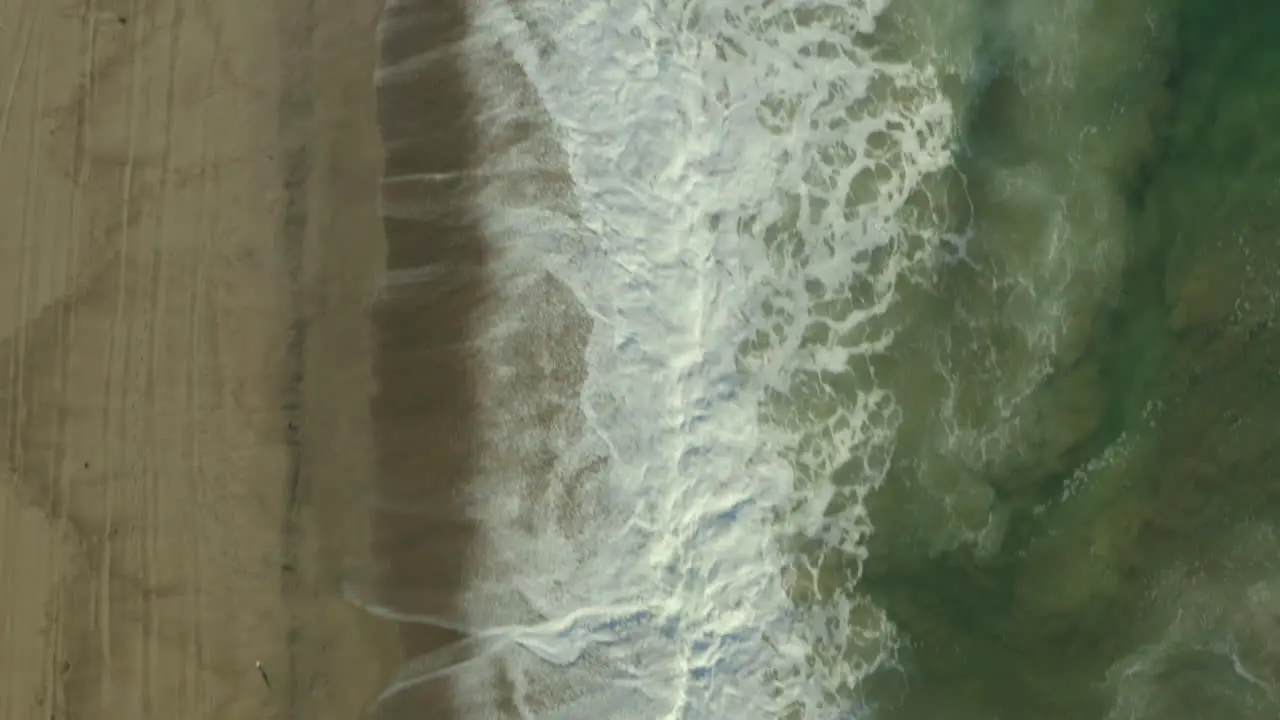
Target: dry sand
(188, 248)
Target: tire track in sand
(140, 363)
(151, 441)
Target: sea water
(823, 296)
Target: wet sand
(424, 405)
(462, 416)
(191, 246)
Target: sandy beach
(190, 246)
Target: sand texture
(189, 242)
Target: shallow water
(868, 359)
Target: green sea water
(1080, 517)
(1036, 343)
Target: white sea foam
(715, 200)
(711, 221)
